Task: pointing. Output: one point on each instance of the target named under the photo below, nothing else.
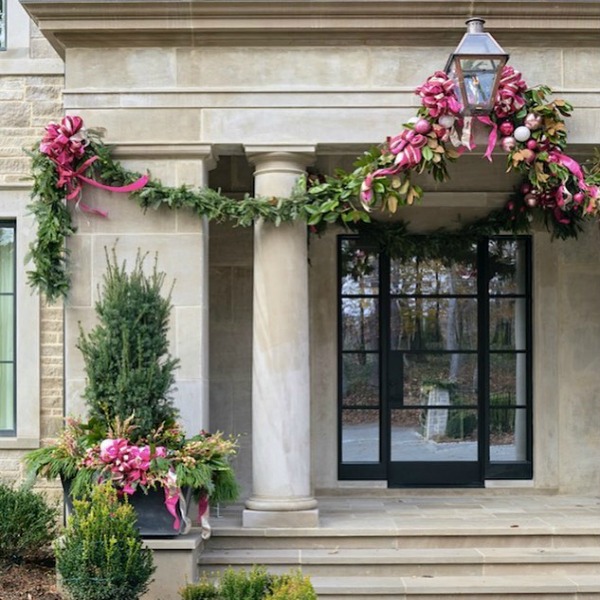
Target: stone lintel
(205, 152)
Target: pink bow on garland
(64, 144)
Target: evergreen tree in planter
(127, 362)
(132, 438)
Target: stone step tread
(453, 586)
(415, 529)
(400, 556)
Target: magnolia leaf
(392, 203)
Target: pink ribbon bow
(64, 144)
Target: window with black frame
(7, 328)
(2, 24)
(435, 362)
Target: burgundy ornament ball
(506, 128)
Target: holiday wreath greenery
(529, 123)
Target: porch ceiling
(118, 23)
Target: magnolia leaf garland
(528, 124)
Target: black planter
(153, 518)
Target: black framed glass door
(435, 365)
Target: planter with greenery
(132, 437)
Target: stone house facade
(31, 84)
(245, 96)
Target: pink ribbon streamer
(493, 137)
(202, 506)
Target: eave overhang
(154, 23)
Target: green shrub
(27, 523)
(242, 585)
(101, 556)
(203, 590)
(461, 424)
(292, 587)
(256, 584)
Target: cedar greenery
(127, 362)
(101, 555)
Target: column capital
(296, 153)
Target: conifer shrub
(126, 356)
(292, 587)
(256, 584)
(27, 524)
(101, 555)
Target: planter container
(153, 518)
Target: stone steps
(411, 562)
(424, 560)
(526, 587)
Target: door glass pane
(433, 323)
(507, 266)
(447, 275)
(508, 378)
(360, 379)
(430, 377)
(436, 434)
(508, 434)
(360, 269)
(360, 324)
(508, 323)
(360, 436)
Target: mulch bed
(28, 581)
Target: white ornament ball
(522, 133)
(446, 121)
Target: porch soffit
(130, 23)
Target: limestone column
(282, 495)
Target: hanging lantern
(475, 67)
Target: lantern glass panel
(479, 77)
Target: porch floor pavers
(408, 513)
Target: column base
(280, 518)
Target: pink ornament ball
(423, 126)
(579, 197)
(528, 155)
(508, 143)
(506, 128)
(531, 200)
(532, 144)
(533, 121)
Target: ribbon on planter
(65, 144)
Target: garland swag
(556, 189)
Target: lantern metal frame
(476, 46)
